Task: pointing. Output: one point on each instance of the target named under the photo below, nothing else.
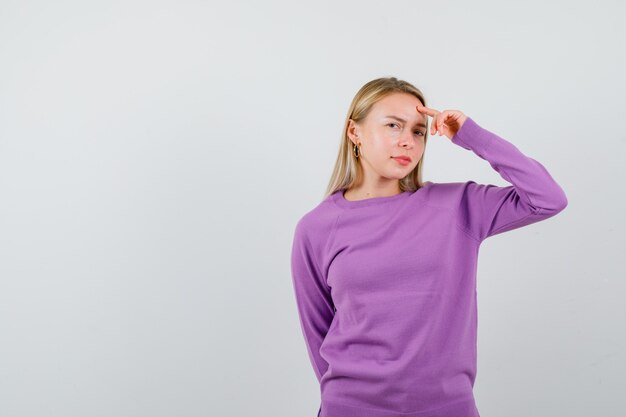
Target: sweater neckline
(341, 200)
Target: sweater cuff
(471, 136)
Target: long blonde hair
(348, 172)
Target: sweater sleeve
(485, 209)
(313, 299)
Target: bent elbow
(562, 203)
(557, 202)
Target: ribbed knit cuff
(472, 136)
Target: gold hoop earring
(356, 151)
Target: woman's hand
(447, 122)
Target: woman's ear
(353, 131)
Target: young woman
(384, 268)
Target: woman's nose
(405, 140)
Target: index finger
(427, 110)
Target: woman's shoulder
(321, 218)
(446, 194)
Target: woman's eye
(395, 124)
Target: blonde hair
(348, 172)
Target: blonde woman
(384, 268)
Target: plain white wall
(155, 156)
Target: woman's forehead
(399, 105)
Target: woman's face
(393, 128)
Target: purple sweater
(386, 287)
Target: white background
(156, 155)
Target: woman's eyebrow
(421, 124)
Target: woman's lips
(401, 160)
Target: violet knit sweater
(385, 287)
